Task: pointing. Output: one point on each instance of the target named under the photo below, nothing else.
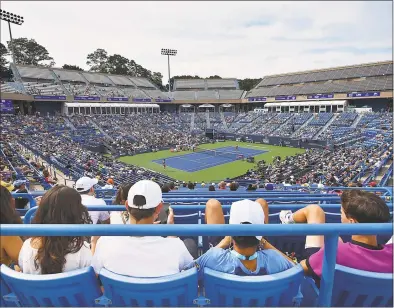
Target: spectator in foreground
(245, 258)
(363, 252)
(117, 217)
(145, 256)
(10, 246)
(85, 187)
(52, 255)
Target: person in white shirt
(117, 217)
(146, 256)
(85, 187)
(52, 255)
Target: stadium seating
(80, 288)
(353, 288)
(179, 290)
(281, 289)
(77, 288)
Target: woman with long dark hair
(10, 246)
(57, 254)
(117, 217)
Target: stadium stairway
(324, 128)
(279, 128)
(192, 123)
(303, 125)
(224, 123)
(70, 124)
(97, 126)
(356, 121)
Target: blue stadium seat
(187, 218)
(77, 288)
(5, 291)
(353, 288)
(179, 290)
(226, 290)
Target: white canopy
(306, 103)
(206, 106)
(132, 105)
(186, 106)
(227, 105)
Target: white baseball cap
(247, 211)
(144, 195)
(85, 183)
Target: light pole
(168, 53)
(11, 19)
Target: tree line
(29, 52)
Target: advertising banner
(51, 97)
(318, 96)
(86, 98)
(364, 94)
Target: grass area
(214, 174)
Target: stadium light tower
(168, 53)
(11, 19)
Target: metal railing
(331, 233)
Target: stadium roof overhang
(206, 106)
(111, 105)
(318, 103)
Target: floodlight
(169, 52)
(11, 19)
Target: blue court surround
(199, 161)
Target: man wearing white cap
(245, 258)
(85, 187)
(145, 256)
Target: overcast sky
(231, 39)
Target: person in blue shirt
(245, 257)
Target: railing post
(328, 270)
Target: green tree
(248, 84)
(29, 52)
(117, 64)
(5, 71)
(72, 67)
(98, 61)
(214, 77)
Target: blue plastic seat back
(226, 290)
(187, 219)
(353, 288)
(5, 290)
(356, 288)
(179, 290)
(77, 288)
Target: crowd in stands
(341, 167)
(157, 256)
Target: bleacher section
(205, 89)
(55, 81)
(367, 77)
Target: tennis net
(234, 155)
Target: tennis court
(210, 158)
